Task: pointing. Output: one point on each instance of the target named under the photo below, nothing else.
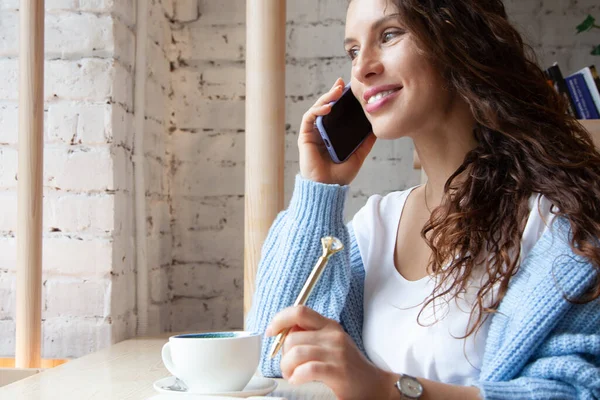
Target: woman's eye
(353, 53)
(389, 35)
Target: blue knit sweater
(539, 345)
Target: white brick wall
(87, 248)
(159, 116)
(193, 136)
(550, 29)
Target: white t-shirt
(393, 338)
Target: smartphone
(345, 127)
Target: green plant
(588, 24)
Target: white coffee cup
(213, 362)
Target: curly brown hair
(527, 143)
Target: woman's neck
(442, 147)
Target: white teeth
(380, 95)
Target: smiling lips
(376, 97)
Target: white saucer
(258, 386)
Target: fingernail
(268, 332)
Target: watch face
(410, 387)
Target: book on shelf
(580, 90)
(582, 95)
(556, 80)
(591, 84)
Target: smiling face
(398, 87)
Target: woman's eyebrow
(375, 26)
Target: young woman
(482, 283)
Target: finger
(332, 337)
(308, 122)
(330, 96)
(298, 337)
(293, 331)
(312, 371)
(301, 316)
(322, 106)
(338, 82)
(299, 355)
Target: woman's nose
(368, 65)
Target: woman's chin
(387, 134)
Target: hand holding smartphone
(345, 127)
(322, 151)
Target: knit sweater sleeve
(289, 253)
(544, 346)
(566, 366)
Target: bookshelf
(591, 125)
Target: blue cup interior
(215, 335)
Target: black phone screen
(346, 125)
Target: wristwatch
(409, 387)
